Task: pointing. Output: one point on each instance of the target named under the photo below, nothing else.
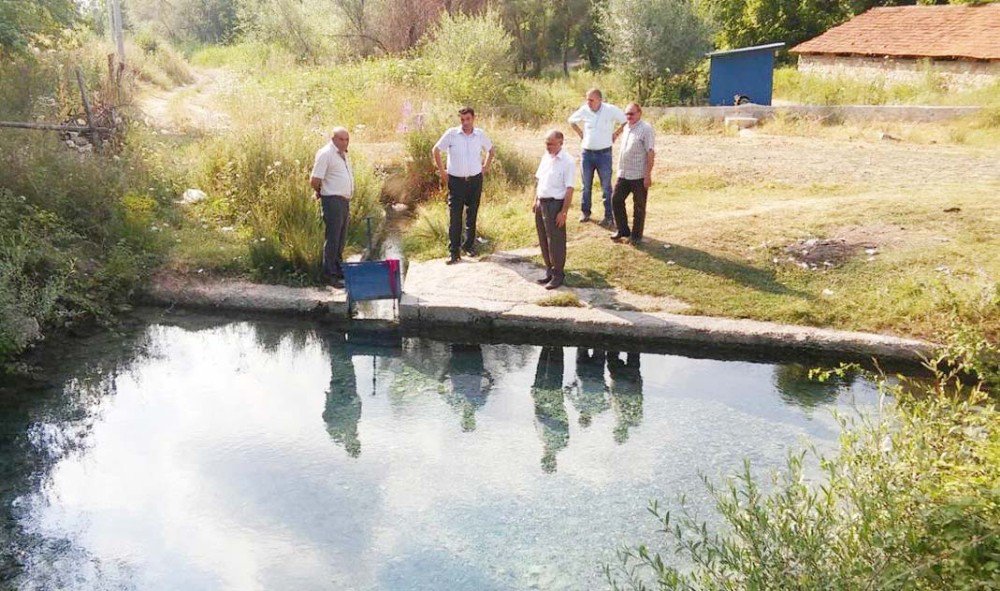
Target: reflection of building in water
(589, 393)
(626, 392)
(551, 419)
(343, 405)
(796, 387)
(469, 383)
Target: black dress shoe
(470, 251)
(607, 223)
(453, 259)
(337, 283)
(544, 280)
(556, 282)
(618, 236)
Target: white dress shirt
(555, 174)
(334, 171)
(465, 150)
(599, 126)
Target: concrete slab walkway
(497, 294)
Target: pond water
(195, 452)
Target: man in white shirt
(465, 146)
(602, 123)
(333, 181)
(553, 196)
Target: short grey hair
(555, 134)
(596, 91)
(338, 130)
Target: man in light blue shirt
(465, 146)
(602, 123)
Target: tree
(650, 40)
(567, 21)
(204, 21)
(25, 22)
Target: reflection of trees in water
(589, 392)
(626, 392)
(507, 359)
(423, 368)
(48, 414)
(269, 337)
(796, 387)
(551, 419)
(468, 383)
(343, 405)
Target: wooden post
(116, 29)
(95, 136)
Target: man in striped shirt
(635, 175)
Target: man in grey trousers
(553, 196)
(333, 181)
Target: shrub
(911, 502)
(257, 178)
(469, 61)
(653, 39)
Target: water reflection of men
(589, 393)
(551, 419)
(343, 405)
(470, 382)
(626, 392)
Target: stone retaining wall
(856, 113)
(955, 74)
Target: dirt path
(194, 107)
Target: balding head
(341, 138)
(594, 99)
(633, 113)
(553, 141)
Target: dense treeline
(553, 32)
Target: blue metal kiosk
(747, 72)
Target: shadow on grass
(703, 262)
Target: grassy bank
(77, 227)
(910, 501)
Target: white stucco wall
(956, 74)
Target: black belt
(466, 178)
(601, 151)
(550, 198)
(341, 196)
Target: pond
(199, 452)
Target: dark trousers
(463, 196)
(600, 161)
(638, 190)
(335, 215)
(551, 238)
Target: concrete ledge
(855, 113)
(245, 296)
(486, 318)
(667, 329)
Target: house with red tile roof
(961, 43)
